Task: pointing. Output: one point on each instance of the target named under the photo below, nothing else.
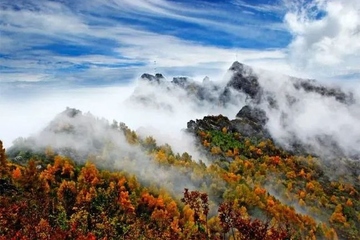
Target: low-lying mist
(327, 122)
(162, 109)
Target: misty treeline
(247, 189)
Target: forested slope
(249, 189)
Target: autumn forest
(248, 189)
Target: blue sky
(101, 42)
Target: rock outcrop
(249, 122)
(149, 77)
(244, 80)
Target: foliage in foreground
(251, 190)
(66, 201)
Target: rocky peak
(250, 122)
(181, 81)
(149, 77)
(244, 79)
(237, 66)
(206, 80)
(71, 112)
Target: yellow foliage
(310, 186)
(302, 203)
(270, 202)
(172, 209)
(215, 150)
(206, 143)
(89, 174)
(302, 194)
(125, 203)
(262, 144)
(232, 178)
(333, 199)
(229, 153)
(175, 225)
(161, 156)
(188, 214)
(236, 151)
(302, 173)
(349, 202)
(16, 173)
(259, 151)
(338, 215)
(248, 164)
(259, 190)
(68, 169)
(160, 202)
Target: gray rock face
(313, 86)
(181, 81)
(149, 77)
(253, 114)
(208, 123)
(71, 112)
(244, 80)
(249, 123)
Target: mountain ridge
(245, 90)
(115, 182)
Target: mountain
(285, 103)
(246, 80)
(273, 165)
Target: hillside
(84, 178)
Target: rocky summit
(252, 91)
(245, 80)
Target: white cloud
(326, 37)
(22, 77)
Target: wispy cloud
(271, 7)
(48, 39)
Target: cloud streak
(49, 38)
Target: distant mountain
(245, 79)
(71, 133)
(281, 100)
